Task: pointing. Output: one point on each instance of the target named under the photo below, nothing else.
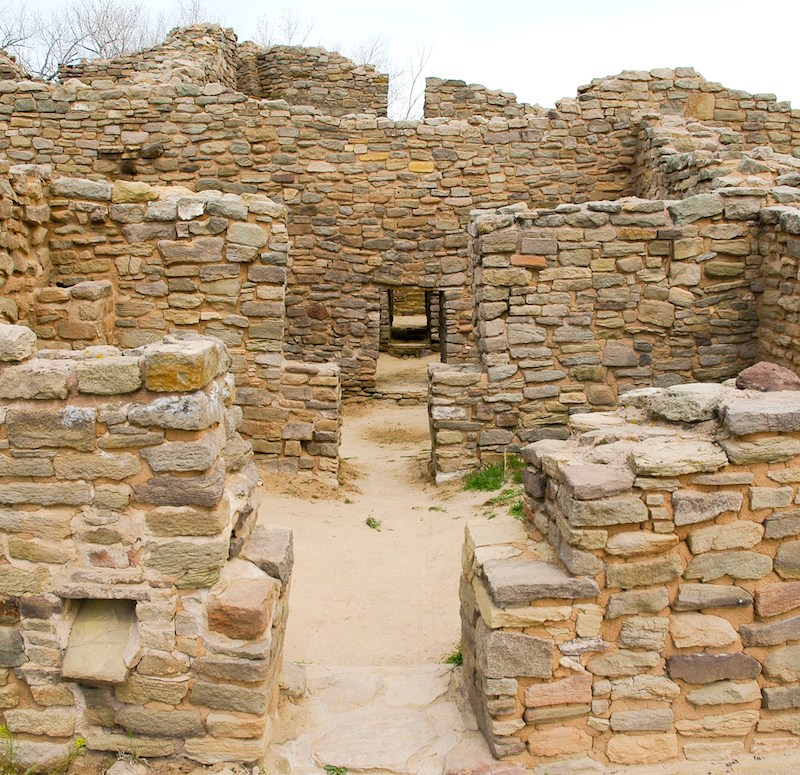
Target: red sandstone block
(531, 262)
(243, 610)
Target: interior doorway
(412, 322)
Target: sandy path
(362, 596)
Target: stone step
(517, 581)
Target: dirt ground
(385, 594)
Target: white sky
(544, 49)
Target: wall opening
(412, 322)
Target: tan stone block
(210, 750)
(108, 376)
(236, 725)
(183, 366)
(556, 741)
(132, 191)
(736, 724)
(700, 105)
(576, 689)
(421, 166)
(642, 749)
(48, 723)
(695, 630)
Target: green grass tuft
(375, 524)
(486, 479)
(455, 657)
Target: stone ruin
(231, 230)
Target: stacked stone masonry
(139, 609)
(372, 202)
(314, 77)
(649, 611)
(123, 264)
(581, 303)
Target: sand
(381, 595)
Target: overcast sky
(543, 50)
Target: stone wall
(779, 324)
(457, 99)
(312, 76)
(649, 611)
(129, 262)
(576, 305)
(80, 316)
(24, 254)
(201, 54)
(373, 202)
(139, 608)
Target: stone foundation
(139, 608)
(647, 610)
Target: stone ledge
(513, 582)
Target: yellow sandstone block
(421, 166)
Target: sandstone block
(80, 188)
(642, 749)
(271, 549)
(519, 581)
(653, 720)
(736, 535)
(783, 664)
(769, 450)
(643, 573)
(694, 630)
(771, 412)
(250, 234)
(640, 542)
(243, 610)
(12, 647)
(691, 507)
(708, 751)
(108, 376)
(17, 343)
(687, 403)
(775, 599)
(659, 313)
(737, 724)
(644, 687)
(770, 497)
(676, 457)
(782, 525)
(72, 427)
(767, 377)
(203, 250)
(137, 746)
(636, 602)
(576, 689)
(36, 379)
(190, 564)
(615, 510)
(192, 412)
(694, 208)
(644, 632)
(787, 560)
(708, 668)
(52, 722)
(725, 693)
(197, 455)
(206, 490)
(183, 366)
(771, 634)
(696, 597)
(160, 723)
(229, 697)
(210, 750)
(553, 741)
(509, 654)
(738, 565)
(623, 662)
(588, 481)
(132, 191)
(781, 697)
(97, 465)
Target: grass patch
(486, 479)
(375, 524)
(454, 657)
(331, 770)
(10, 766)
(517, 510)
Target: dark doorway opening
(412, 322)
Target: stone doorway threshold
(408, 720)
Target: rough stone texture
(708, 668)
(517, 581)
(767, 377)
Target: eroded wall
(139, 609)
(648, 612)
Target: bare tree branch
(288, 29)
